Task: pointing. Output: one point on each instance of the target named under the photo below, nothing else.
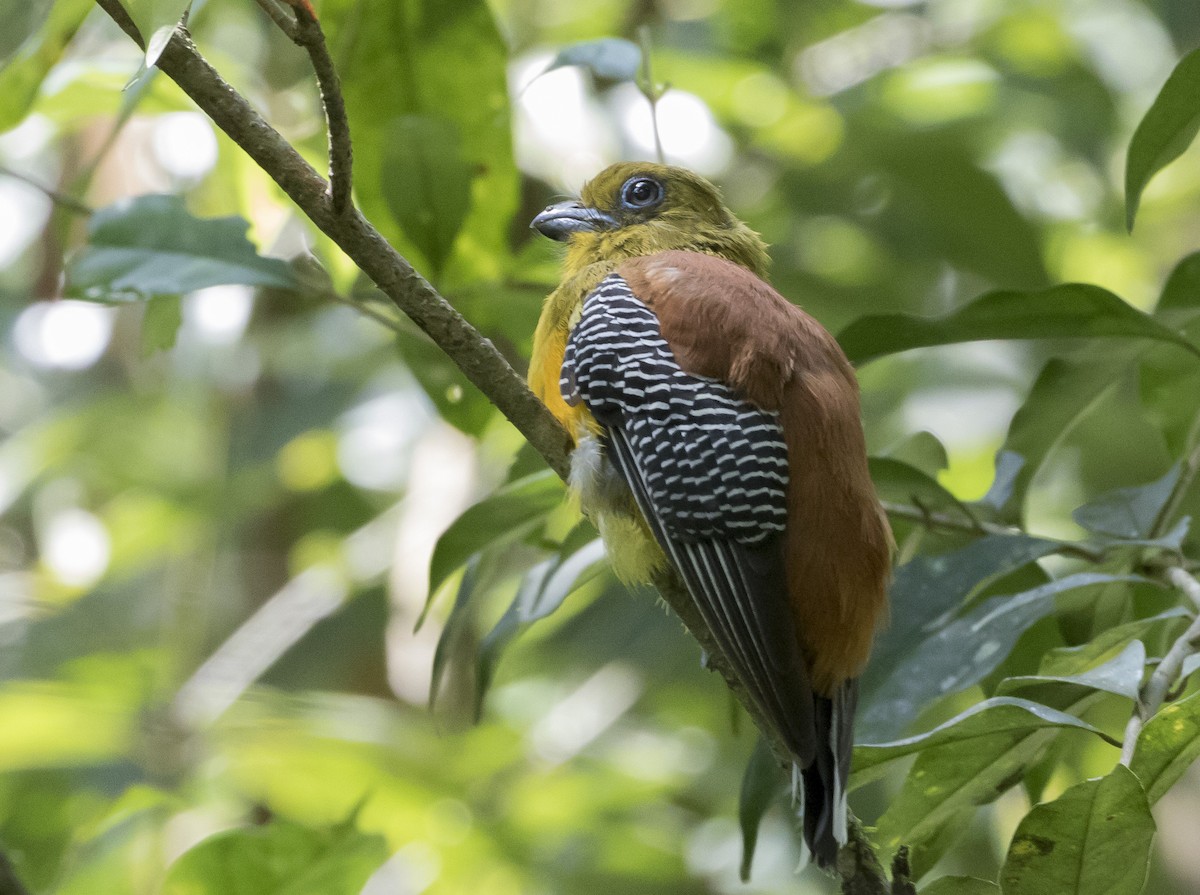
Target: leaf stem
(70, 203)
(1155, 691)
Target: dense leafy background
(225, 492)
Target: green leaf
(151, 246)
(998, 715)
(1182, 289)
(1094, 839)
(1121, 675)
(1070, 310)
(503, 517)
(23, 73)
(1128, 513)
(443, 60)
(960, 885)
(896, 480)
(1072, 660)
(1166, 130)
(947, 780)
(156, 19)
(611, 58)
(279, 858)
(965, 650)
(1167, 746)
(1063, 394)
(948, 657)
(457, 625)
(760, 785)
(160, 324)
(542, 591)
(1008, 472)
(427, 183)
(922, 450)
(923, 590)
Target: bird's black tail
(824, 781)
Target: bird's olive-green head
(638, 208)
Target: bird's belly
(604, 497)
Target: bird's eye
(641, 192)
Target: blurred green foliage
(232, 483)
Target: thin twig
(309, 35)
(1156, 689)
(946, 522)
(280, 17)
(70, 203)
(366, 310)
(651, 91)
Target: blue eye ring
(641, 192)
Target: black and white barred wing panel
(709, 473)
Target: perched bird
(717, 429)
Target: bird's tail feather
(823, 783)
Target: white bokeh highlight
(75, 547)
(67, 335)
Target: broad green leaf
(998, 715)
(443, 60)
(760, 784)
(151, 246)
(1064, 392)
(946, 780)
(896, 480)
(923, 590)
(543, 590)
(453, 635)
(1167, 746)
(280, 858)
(963, 651)
(960, 885)
(1165, 132)
(1128, 513)
(1094, 839)
(1073, 660)
(966, 649)
(1182, 289)
(427, 183)
(23, 73)
(611, 58)
(501, 518)
(1067, 311)
(1121, 675)
(156, 19)
(922, 450)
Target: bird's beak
(560, 220)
